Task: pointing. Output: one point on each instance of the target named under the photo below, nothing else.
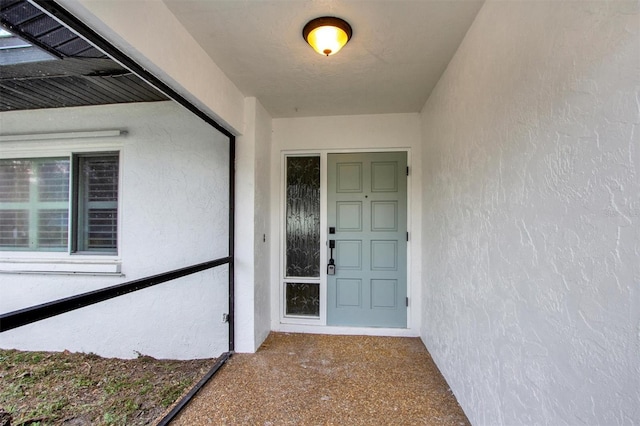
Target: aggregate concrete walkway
(306, 379)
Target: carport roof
(71, 73)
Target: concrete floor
(306, 379)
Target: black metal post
(232, 203)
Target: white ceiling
(397, 53)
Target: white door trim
(319, 325)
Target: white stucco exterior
(531, 297)
(173, 212)
(253, 258)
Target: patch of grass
(83, 381)
(110, 418)
(12, 391)
(145, 384)
(171, 392)
(25, 358)
(49, 388)
(116, 384)
(48, 409)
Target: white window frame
(65, 262)
(321, 280)
(312, 324)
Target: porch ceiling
(398, 51)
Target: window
(63, 204)
(302, 237)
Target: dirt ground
(74, 389)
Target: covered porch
(522, 217)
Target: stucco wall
(173, 213)
(252, 212)
(262, 237)
(531, 297)
(339, 134)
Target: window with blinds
(97, 202)
(34, 204)
(37, 212)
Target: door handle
(331, 267)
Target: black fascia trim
(101, 43)
(36, 313)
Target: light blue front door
(367, 211)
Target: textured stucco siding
(262, 238)
(252, 258)
(173, 213)
(531, 265)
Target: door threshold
(347, 331)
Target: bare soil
(75, 389)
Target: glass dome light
(327, 34)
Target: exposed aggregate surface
(306, 379)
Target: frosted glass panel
(303, 217)
(303, 299)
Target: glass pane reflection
(303, 299)
(303, 217)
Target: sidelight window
(302, 236)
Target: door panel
(349, 216)
(384, 294)
(384, 255)
(367, 199)
(349, 293)
(384, 215)
(349, 255)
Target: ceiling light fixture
(327, 34)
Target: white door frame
(319, 325)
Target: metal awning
(69, 71)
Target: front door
(367, 220)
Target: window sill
(50, 266)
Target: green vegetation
(44, 388)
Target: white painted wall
(340, 133)
(263, 257)
(173, 213)
(252, 258)
(531, 191)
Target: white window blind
(34, 204)
(98, 203)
